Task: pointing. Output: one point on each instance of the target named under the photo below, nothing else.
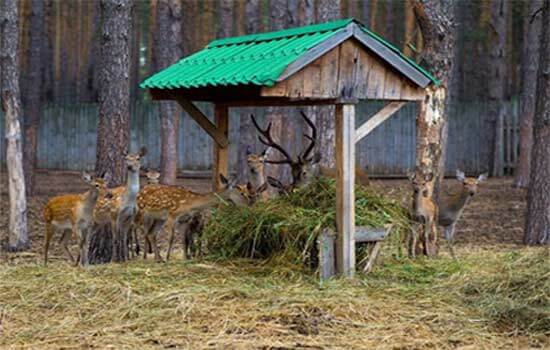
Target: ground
(491, 297)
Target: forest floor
(495, 296)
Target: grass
(285, 229)
(485, 300)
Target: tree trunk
(529, 68)
(409, 29)
(435, 20)
(114, 93)
(168, 51)
(497, 84)
(247, 133)
(327, 10)
(34, 93)
(9, 61)
(537, 224)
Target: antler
(312, 138)
(267, 140)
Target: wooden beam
(218, 135)
(377, 119)
(221, 153)
(317, 52)
(365, 234)
(345, 196)
(394, 59)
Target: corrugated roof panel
(257, 59)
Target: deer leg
(449, 236)
(171, 224)
(412, 242)
(157, 226)
(427, 228)
(47, 237)
(83, 246)
(186, 241)
(66, 236)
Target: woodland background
(486, 78)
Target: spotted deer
(256, 174)
(306, 166)
(119, 209)
(452, 206)
(424, 210)
(73, 213)
(177, 206)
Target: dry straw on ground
(483, 301)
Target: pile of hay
(285, 229)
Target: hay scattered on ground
(285, 229)
(427, 303)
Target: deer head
(133, 160)
(419, 183)
(470, 183)
(153, 176)
(302, 167)
(256, 161)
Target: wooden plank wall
(67, 138)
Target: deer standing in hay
(177, 206)
(119, 209)
(73, 213)
(305, 167)
(450, 207)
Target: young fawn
(256, 174)
(73, 212)
(452, 206)
(173, 205)
(424, 210)
(119, 210)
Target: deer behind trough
(424, 210)
(73, 213)
(256, 173)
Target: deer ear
(316, 158)
(428, 177)
(411, 175)
(460, 175)
(86, 177)
(224, 180)
(482, 177)
(142, 151)
(264, 153)
(248, 150)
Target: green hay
(285, 229)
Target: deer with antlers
(305, 166)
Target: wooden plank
(378, 119)
(392, 58)
(392, 86)
(329, 74)
(372, 257)
(345, 196)
(377, 77)
(365, 234)
(221, 154)
(316, 52)
(326, 254)
(218, 135)
(347, 68)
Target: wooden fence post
(220, 163)
(345, 196)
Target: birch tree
(9, 92)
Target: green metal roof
(257, 59)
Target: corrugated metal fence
(67, 138)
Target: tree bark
(537, 223)
(114, 93)
(497, 83)
(327, 10)
(168, 51)
(9, 61)
(529, 68)
(34, 93)
(435, 19)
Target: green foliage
(286, 228)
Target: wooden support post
(221, 154)
(345, 196)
